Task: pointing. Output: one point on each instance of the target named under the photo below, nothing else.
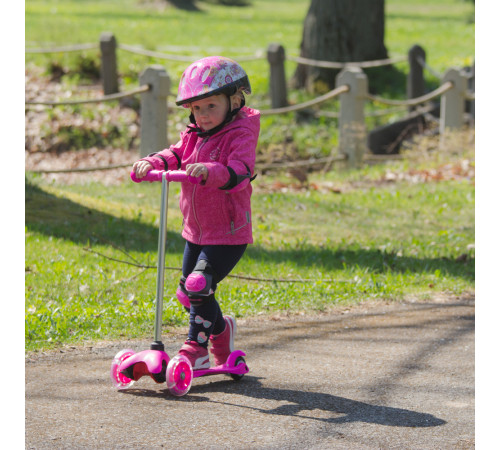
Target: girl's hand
(196, 170)
(141, 168)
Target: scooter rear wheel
(236, 376)
(179, 375)
(119, 380)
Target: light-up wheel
(179, 375)
(119, 380)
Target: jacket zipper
(194, 192)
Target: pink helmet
(209, 76)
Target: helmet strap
(229, 117)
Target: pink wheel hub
(179, 375)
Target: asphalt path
(383, 375)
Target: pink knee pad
(199, 282)
(196, 282)
(183, 298)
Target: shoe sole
(202, 363)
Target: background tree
(339, 30)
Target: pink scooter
(128, 366)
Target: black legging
(206, 319)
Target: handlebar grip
(179, 176)
(152, 175)
(172, 175)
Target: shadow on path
(342, 410)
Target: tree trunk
(340, 31)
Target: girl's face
(210, 112)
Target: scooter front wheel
(179, 375)
(119, 380)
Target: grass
(374, 240)
(243, 30)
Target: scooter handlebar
(171, 175)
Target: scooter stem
(165, 177)
(162, 240)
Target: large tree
(343, 31)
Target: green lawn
(243, 30)
(373, 240)
(90, 251)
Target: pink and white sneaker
(197, 355)
(223, 343)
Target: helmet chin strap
(229, 116)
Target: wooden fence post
(109, 73)
(154, 110)
(415, 84)
(352, 128)
(277, 79)
(471, 85)
(453, 101)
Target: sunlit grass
(367, 239)
(91, 251)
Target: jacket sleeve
(169, 158)
(238, 172)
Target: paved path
(367, 377)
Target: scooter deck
(154, 363)
(229, 367)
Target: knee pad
(199, 283)
(182, 294)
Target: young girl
(220, 147)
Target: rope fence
(83, 169)
(276, 55)
(351, 89)
(284, 110)
(64, 49)
(258, 55)
(471, 96)
(301, 106)
(343, 65)
(426, 66)
(154, 54)
(104, 98)
(414, 101)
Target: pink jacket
(217, 212)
